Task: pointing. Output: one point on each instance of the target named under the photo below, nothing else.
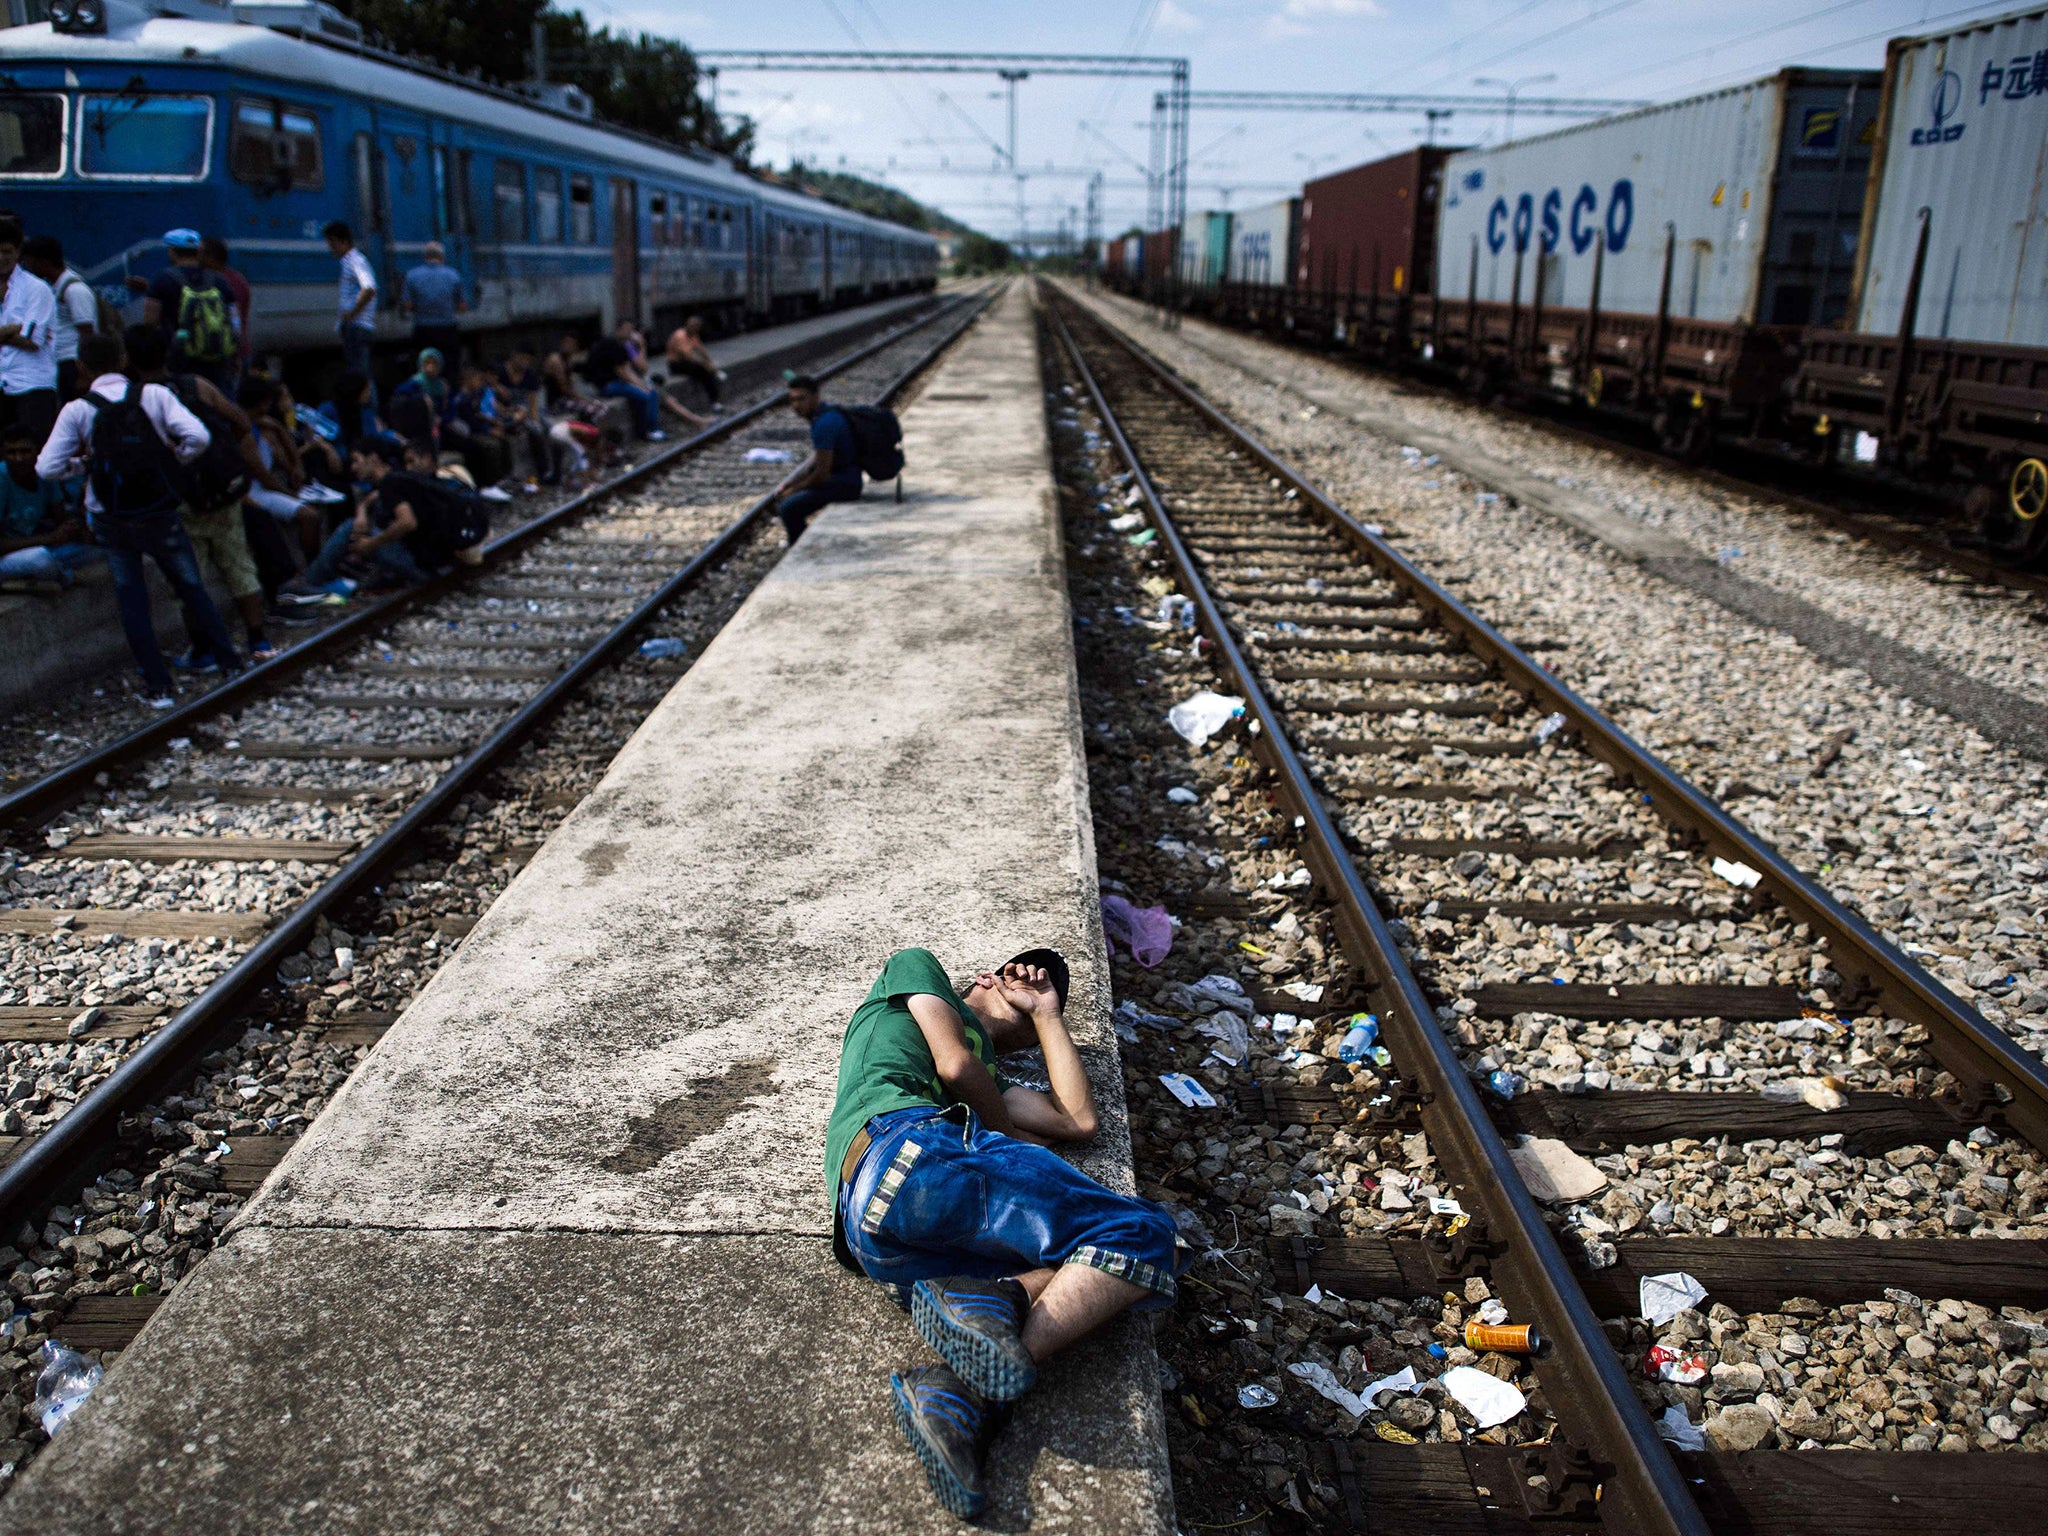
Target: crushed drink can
(1503, 1338)
(1663, 1363)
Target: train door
(366, 184)
(625, 250)
(447, 175)
(755, 219)
(404, 147)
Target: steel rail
(1588, 1389)
(63, 1154)
(1998, 1082)
(41, 797)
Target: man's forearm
(1065, 1075)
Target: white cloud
(1172, 18)
(1298, 18)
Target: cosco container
(1204, 249)
(1964, 135)
(1756, 192)
(1262, 244)
(1371, 229)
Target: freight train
(263, 135)
(1846, 264)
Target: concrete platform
(557, 1257)
(51, 641)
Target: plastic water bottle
(1360, 1038)
(1505, 1083)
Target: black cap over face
(1053, 963)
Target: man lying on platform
(944, 1192)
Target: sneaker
(977, 1327)
(657, 436)
(162, 701)
(949, 1425)
(263, 650)
(193, 661)
(494, 493)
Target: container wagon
(1204, 251)
(1262, 245)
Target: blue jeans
(645, 402)
(393, 563)
(127, 541)
(48, 562)
(798, 508)
(939, 1194)
(355, 353)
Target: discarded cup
(1360, 1038)
(662, 645)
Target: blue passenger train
(263, 137)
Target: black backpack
(877, 440)
(132, 470)
(449, 517)
(220, 476)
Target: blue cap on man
(183, 240)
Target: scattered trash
(1177, 612)
(1130, 1013)
(1680, 1431)
(663, 645)
(1283, 1023)
(1492, 1312)
(1304, 991)
(1503, 1338)
(1822, 1093)
(1145, 932)
(1402, 1380)
(1143, 538)
(1133, 496)
(1202, 715)
(1728, 554)
(1553, 1171)
(1549, 726)
(1444, 1205)
(1505, 1083)
(1664, 1363)
(1191, 1093)
(1252, 1395)
(1394, 1434)
(1312, 1295)
(768, 456)
(1488, 1399)
(1663, 1297)
(1180, 794)
(1127, 522)
(1124, 1031)
(1736, 873)
(1360, 1038)
(67, 1380)
(1224, 992)
(1233, 1041)
(1323, 1380)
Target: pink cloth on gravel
(1146, 932)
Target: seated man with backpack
(131, 441)
(411, 526)
(846, 441)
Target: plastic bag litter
(1402, 1380)
(1203, 714)
(1323, 1380)
(1663, 1297)
(1252, 1395)
(1680, 1431)
(1187, 1090)
(1130, 1013)
(663, 645)
(1127, 522)
(1146, 933)
(1224, 992)
(769, 456)
(1488, 1399)
(67, 1380)
(1233, 1040)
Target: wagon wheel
(2015, 527)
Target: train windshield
(31, 135)
(144, 137)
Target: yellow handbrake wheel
(2027, 495)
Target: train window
(657, 218)
(370, 203)
(145, 138)
(275, 145)
(462, 211)
(508, 200)
(582, 210)
(547, 204)
(32, 135)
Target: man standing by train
(432, 295)
(356, 324)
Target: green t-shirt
(884, 1063)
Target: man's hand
(1029, 988)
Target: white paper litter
(1187, 1090)
(1736, 873)
(1553, 1171)
(768, 456)
(1233, 1040)
(1443, 1205)
(1675, 1427)
(1663, 1297)
(1402, 1380)
(1487, 1398)
(1127, 522)
(1304, 991)
(1323, 1380)
(1201, 715)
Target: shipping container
(1371, 229)
(1963, 134)
(1159, 245)
(1205, 249)
(1756, 192)
(1262, 244)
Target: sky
(942, 138)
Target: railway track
(1460, 812)
(216, 867)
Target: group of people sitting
(295, 506)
